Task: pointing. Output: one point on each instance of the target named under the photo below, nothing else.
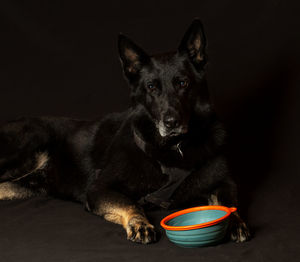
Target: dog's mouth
(178, 132)
(174, 132)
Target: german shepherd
(165, 151)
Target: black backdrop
(60, 58)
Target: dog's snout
(171, 122)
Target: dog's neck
(146, 147)
(167, 149)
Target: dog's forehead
(167, 65)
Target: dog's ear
(132, 57)
(194, 43)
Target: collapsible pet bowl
(197, 226)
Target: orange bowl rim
(228, 211)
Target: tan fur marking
(132, 56)
(197, 43)
(9, 191)
(134, 221)
(134, 60)
(199, 57)
(119, 215)
(240, 232)
(41, 160)
(113, 218)
(213, 200)
(195, 48)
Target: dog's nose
(171, 122)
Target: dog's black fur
(111, 164)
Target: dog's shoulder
(113, 129)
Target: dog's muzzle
(173, 129)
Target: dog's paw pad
(139, 230)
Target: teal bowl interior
(205, 236)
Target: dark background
(60, 58)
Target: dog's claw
(139, 230)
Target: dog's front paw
(239, 231)
(140, 230)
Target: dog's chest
(162, 196)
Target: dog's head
(171, 87)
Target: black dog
(166, 150)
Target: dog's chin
(172, 138)
(173, 133)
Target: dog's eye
(151, 86)
(183, 83)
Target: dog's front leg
(226, 195)
(117, 208)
